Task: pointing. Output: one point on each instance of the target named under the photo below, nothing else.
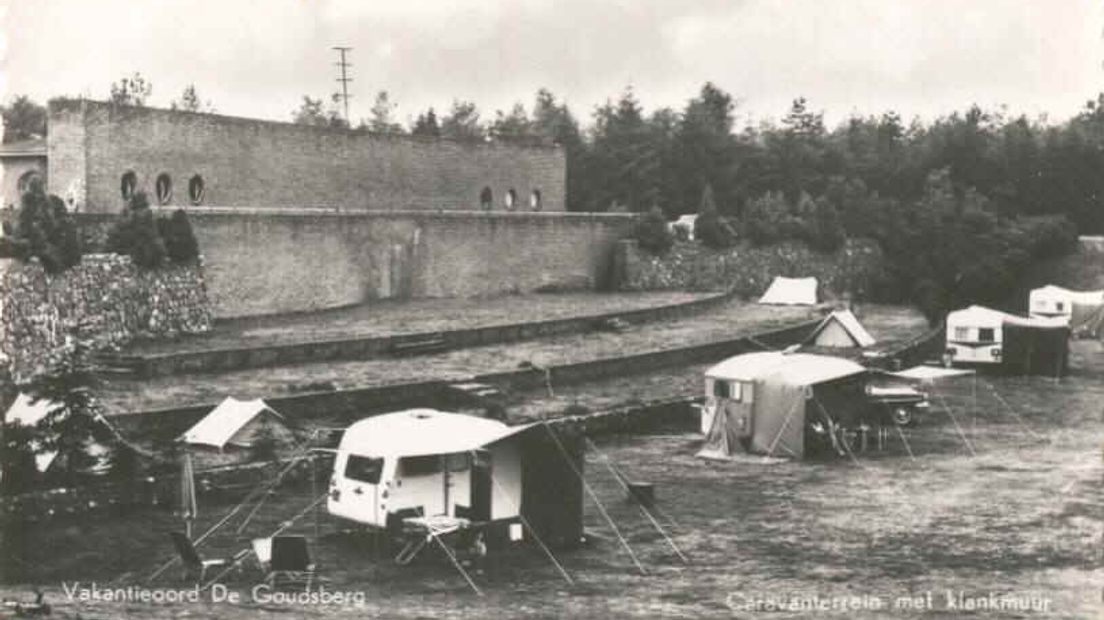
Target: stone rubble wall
(105, 298)
(852, 270)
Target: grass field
(1002, 495)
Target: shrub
(824, 231)
(710, 228)
(651, 232)
(45, 231)
(179, 238)
(135, 234)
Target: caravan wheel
(902, 416)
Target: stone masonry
(105, 298)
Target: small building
(791, 292)
(781, 404)
(21, 163)
(428, 463)
(985, 338)
(841, 329)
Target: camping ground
(1017, 512)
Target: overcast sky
(258, 57)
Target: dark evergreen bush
(45, 231)
(651, 232)
(710, 228)
(136, 234)
(179, 238)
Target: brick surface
(252, 162)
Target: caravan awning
(930, 373)
(980, 316)
(217, 428)
(793, 368)
(421, 432)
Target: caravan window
(986, 334)
(363, 469)
(458, 462)
(962, 333)
(1059, 306)
(420, 465)
(733, 390)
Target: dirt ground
(730, 320)
(385, 317)
(996, 493)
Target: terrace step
(109, 363)
(474, 393)
(419, 347)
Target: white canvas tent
(791, 292)
(1083, 310)
(841, 329)
(759, 401)
(236, 423)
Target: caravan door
(359, 488)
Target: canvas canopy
(841, 329)
(931, 373)
(233, 422)
(422, 432)
(980, 316)
(767, 414)
(791, 291)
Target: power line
(344, 79)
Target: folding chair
(195, 567)
(290, 563)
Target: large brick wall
(253, 162)
(275, 261)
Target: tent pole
(956, 425)
(594, 497)
(652, 519)
(529, 526)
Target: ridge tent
(238, 424)
(434, 464)
(1083, 310)
(791, 292)
(780, 404)
(841, 329)
(987, 338)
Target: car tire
(902, 416)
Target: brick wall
(274, 261)
(250, 162)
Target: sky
(257, 58)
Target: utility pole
(344, 79)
